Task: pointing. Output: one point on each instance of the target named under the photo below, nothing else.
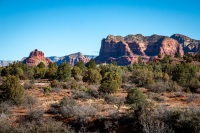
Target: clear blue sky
(62, 27)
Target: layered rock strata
(126, 50)
(35, 58)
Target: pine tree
(92, 64)
(110, 83)
(64, 71)
(92, 76)
(51, 71)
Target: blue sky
(62, 27)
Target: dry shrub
(82, 112)
(6, 107)
(159, 87)
(93, 91)
(128, 86)
(186, 120)
(30, 101)
(69, 108)
(6, 126)
(29, 85)
(57, 90)
(45, 125)
(179, 94)
(35, 115)
(191, 97)
(118, 100)
(81, 95)
(156, 97)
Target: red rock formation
(35, 58)
(170, 46)
(114, 47)
(137, 48)
(188, 44)
(126, 50)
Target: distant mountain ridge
(123, 50)
(5, 63)
(72, 58)
(36, 57)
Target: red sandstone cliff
(35, 58)
(126, 50)
(170, 46)
(189, 45)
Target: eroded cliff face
(170, 46)
(189, 45)
(126, 50)
(164, 46)
(35, 58)
(113, 47)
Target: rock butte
(35, 58)
(126, 50)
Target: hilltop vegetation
(102, 98)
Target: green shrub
(11, 89)
(80, 64)
(110, 83)
(135, 98)
(55, 83)
(76, 73)
(92, 76)
(159, 56)
(142, 77)
(109, 87)
(40, 70)
(64, 72)
(92, 64)
(51, 71)
(188, 90)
